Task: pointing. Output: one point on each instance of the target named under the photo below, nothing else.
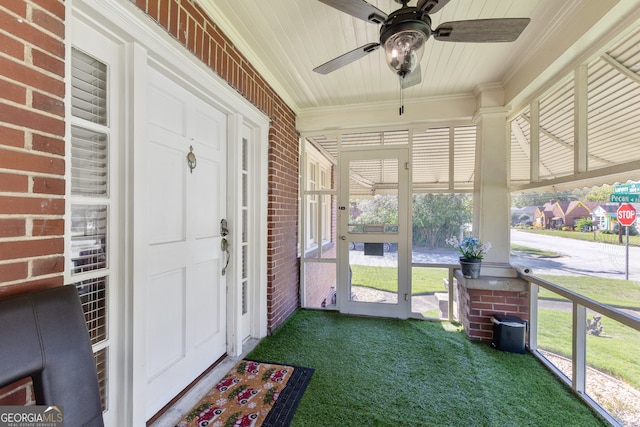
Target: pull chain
(401, 109)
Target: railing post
(451, 295)
(579, 347)
(533, 316)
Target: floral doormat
(252, 394)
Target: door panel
(166, 195)
(167, 339)
(373, 226)
(186, 296)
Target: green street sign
(624, 198)
(633, 187)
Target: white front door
(185, 299)
(374, 263)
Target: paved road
(577, 257)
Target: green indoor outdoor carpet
(413, 373)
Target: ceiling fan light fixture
(404, 50)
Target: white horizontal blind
(88, 88)
(430, 164)
(89, 162)
(90, 202)
(614, 97)
(376, 138)
(557, 114)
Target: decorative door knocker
(191, 159)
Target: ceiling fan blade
(346, 58)
(411, 79)
(481, 30)
(358, 8)
(431, 6)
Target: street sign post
(626, 216)
(624, 198)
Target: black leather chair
(43, 335)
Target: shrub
(632, 230)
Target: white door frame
(402, 309)
(146, 43)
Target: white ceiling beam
(534, 127)
(580, 120)
(618, 173)
(564, 144)
(528, 149)
(630, 74)
(381, 115)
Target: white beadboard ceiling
(286, 39)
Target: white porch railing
(575, 371)
(579, 306)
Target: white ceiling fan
(404, 32)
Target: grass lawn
(614, 352)
(535, 252)
(615, 292)
(424, 280)
(587, 236)
(389, 373)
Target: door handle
(224, 245)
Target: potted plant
(472, 251)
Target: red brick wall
(19, 393)
(320, 278)
(189, 24)
(32, 163)
(32, 148)
(477, 306)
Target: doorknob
(343, 237)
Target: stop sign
(626, 214)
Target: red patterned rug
(252, 394)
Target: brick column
(481, 298)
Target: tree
(381, 209)
(584, 224)
(538, 199)
(599, 194)
(515, 218)
(437, 217)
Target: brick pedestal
(481, 298)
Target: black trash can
(509, 333)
